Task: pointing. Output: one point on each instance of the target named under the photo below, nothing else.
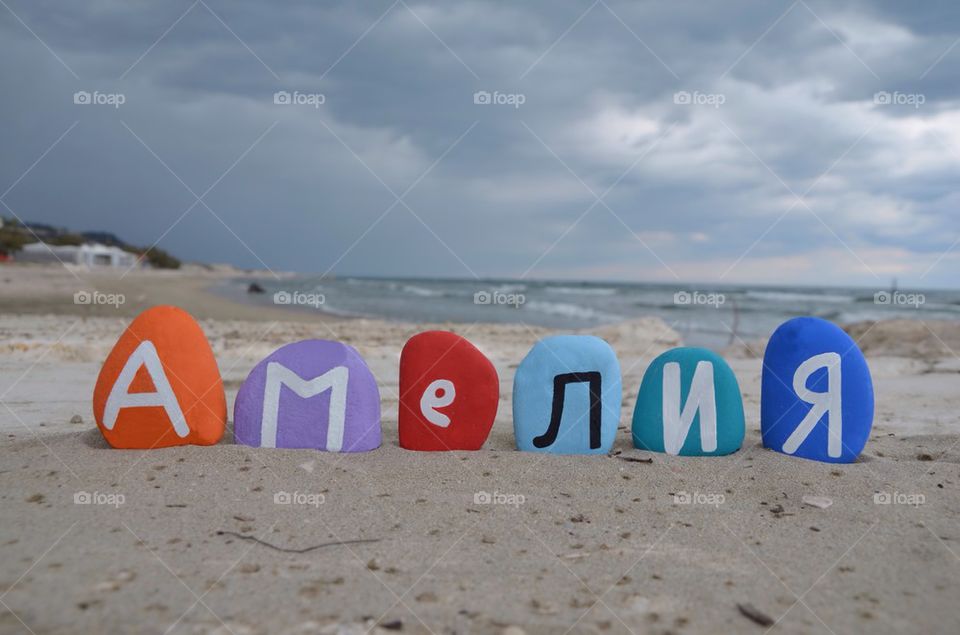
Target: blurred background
(638, 149)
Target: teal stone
(689, 404)
(566, 396)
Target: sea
(709, 316)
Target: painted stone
(314, 394)
(689, 404)
(567, 395)
(160, 385)
(449, 393)
(816, 395)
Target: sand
(191, 540)
(50, 290)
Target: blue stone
(816, 396)
(689, 404)
(566, 396)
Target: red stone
(429, 364)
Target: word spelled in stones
(816, 395)
(566, 396)
(315, 394)
(689, 404)
(449, 393)
(160, 385)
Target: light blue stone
(707, 421)
(567, 395)
(816, 396)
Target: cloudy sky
(802, 142)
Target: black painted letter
(559, 394)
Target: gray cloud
(696, 191)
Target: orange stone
(160, 386)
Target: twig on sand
(616, 454)
(336, 543)
(755, 615)
(635, 459)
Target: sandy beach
(192, 540)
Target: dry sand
(44, 290)
(585, 544)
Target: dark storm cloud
(695, 191)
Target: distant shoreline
(713, 317)
(50, 289)
(221, 293)
(234, 289)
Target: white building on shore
(87, 254)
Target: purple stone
(314, 394)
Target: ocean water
(705, 316)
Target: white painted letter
(279, 375)
(702, 397)
(120, 396)
(823, 402)
(432, 399)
